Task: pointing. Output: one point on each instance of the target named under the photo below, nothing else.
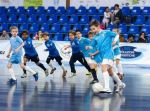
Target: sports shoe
(72, 75)
(94, 81)
(11, 81)
(24, 75)
(88, 74)
(64, 73)
(36, 77)
(120, 87)
(106, 90)
(52, 71)
(46, 72)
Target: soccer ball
(66, 51)
(97, 87)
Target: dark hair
(106, 8)
(90, 32)
(72, 32)
(116, 5)
(78, 30)
(24, 31)
(13, 27)
(45, 33)
(95, 23)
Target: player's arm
(9, 51)
(95, 53)
(115, 39)
(21, 44)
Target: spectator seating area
(59, 21)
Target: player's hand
(8, 56)
(87, 47)
(113, 43)
(91, 55)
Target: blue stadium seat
(12, 18)
(73, 19)
(4, 26)
(40, 10)
(146, 11)
(61, 10)
(23, 26)
(133, 30)
(63, 19)
(32, 19)
(71, 10)
(77, 27)
(34, 28)
(136, 38)
(66, 38)
(84, 19)
(45, 27)
(21, 10)
(126, 11)
(30, 10)
(52, 19)
(96, 17)
(140, 20)
(148, 38)
(22, 18)
(92, 11)
(11, 10)
(136, 11)
(110, 27)
(42, 18)
(101, 11)
(86, 29)
(148, 21)
(3, 18)
(55, 28)
(125, 36)
(123, 29)
(58, 37)
(81, 10)
(2, 10)
(145, 29)
(65, 28)
(51, 10)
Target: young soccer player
(16, 44)
(104, 41)
(117, 57)
(30, 53)
(83, 42)
(53, 54)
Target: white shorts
(117, 57)
(108, 62)
(90, 61)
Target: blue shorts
(15, 59)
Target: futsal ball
(66, 51)
(97, 87)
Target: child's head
(14, 31)
(116, 30)
(90, 35)
(95, 26)
(107, 9)
(45, 36)
(72, 34)
(25, 34)
(78, 34)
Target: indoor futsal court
(74, 55)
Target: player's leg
(49, 58)
(120, 69)
(73, 59)
(59, 60)
(25, 60)
(27, 68)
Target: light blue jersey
(103, 41)
(15, 42)
(83, 42)
(116, 49)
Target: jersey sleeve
(19, 40)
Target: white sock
(62, 66)
(11, 71)
(120, 69)
(30, 70)
(106, 80)
(51, 65)
(115, 68)
(116, 78)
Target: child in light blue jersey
(104, 40)
(117, 57)
(16, 44)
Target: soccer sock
(106, 80)
(41, 66)
(116, 78)
(11, 71)
(24, 71)
(63, 68)
(115, 68)
(30, 70)
(51, 65)
(93, 71)
(120, 69)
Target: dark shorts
(57, 58)
(32, 58)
